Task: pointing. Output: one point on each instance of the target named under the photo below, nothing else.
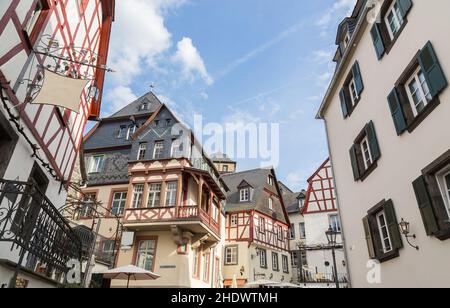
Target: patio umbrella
(262, 282)
(130, 272)
(234, 284)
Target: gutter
(341, 66)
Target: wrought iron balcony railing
(43, 239)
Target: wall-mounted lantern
(404, 227)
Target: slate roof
(257, 178)
(134, 109)
(291, 201)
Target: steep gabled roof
(257, 178)
(244, 184)
(134, 108)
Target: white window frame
(270, 204)
(158, 149)
(119, 197)
(88, 205)
(335, 221)
(398, 20)
(262, 224)
(445, 191)
(244, 194)
(130, 131)
(270, 180)
(231, 255)
(138, 193)
(122, 131)
(225, 168)
(154, 195)
(292, 232)
(347, 39)
(149, 250)
(171, 194)
(280, 233)
(424, 94)
(215, 212)
(234, 220)
(275, 261)
(285, 263)
(142, 151)
(368, 161)
(380, 230)
(262, 258)
(353, 92)
(94, 165)
(302, 233)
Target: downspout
(338, 203)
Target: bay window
(154, 195)
(138, 192)
(171, 194)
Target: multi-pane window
(234, 220)
(231, 255)
(122, 133)
(158, 151)
(443, 179)
(171, 194)
(107, 250)
(154, 195)
(271, 204)
(280, 232)
(353, 93)
(96, 164)
(225, 168)
(347, 39)
(206, 266)
(146, 254)
(270, 180)
(88, 206)
(118, 203)
(196, 268)
(142, 150)
(145, 105)
(176, 149)
(335, 224)
(418, 92)
(292, 232)
(294, 260)
(262, 225)
(285, 262)
(138, 192)
(245, 195)
(367, 155)
(262, 258)
(394, 20)
(275, 262)
(131, 130)
(302, 230)
(384, 232)
(215, 213)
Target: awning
(61, 91)
(240, 282)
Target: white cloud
(322, 56)
(204, 95)
(119, 97)
(191, 61)
(139, 37)
(339, 9)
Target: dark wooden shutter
(357, 78)
(425, 206)
(392, 223)
(354, 160)
(373, 141)
(432, 69)
(377, 41)
(397, 112)
(369, 238)
(343, 103)
(405, 6)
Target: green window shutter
(377, 41)
(369, 238)
(392, 223)
(357, 78)
(432, 69)
(343, 103)
(355, 165)
(397, 112)
(425, 206)
(373, 141)
(405, 6)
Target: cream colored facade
(402, 157)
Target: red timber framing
(245, 227)
(58, 135)
(320, 196)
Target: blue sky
(242, 61)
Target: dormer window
(145, 105)
(270, 180)
(244, 195)
(271, 204)
(131, 130)
(347, 39)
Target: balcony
(189, 218)
(40, 238)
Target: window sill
(392, 42)
(368, 171)
(443, 235)
(424, 114)
(389, 256)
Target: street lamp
(404, 227)
(331, 237)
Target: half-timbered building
(145, 168)
(256, 230)
(42, 41)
